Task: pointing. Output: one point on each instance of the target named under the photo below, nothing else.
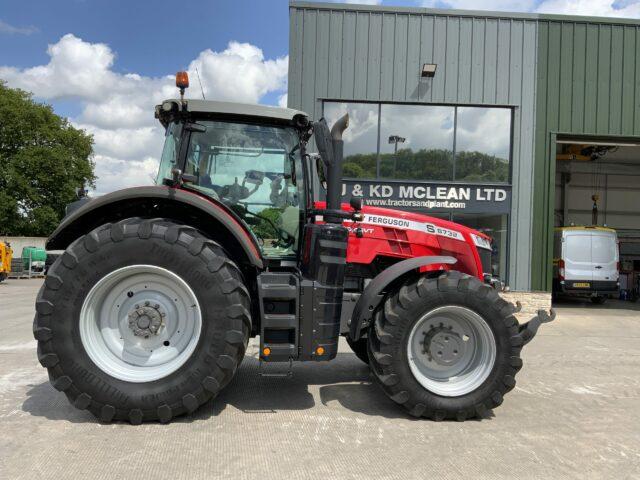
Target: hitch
(528, 330)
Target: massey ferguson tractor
(147, 314)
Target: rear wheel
(142, 320)
(599, 300)
(445, 348)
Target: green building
(511, 123)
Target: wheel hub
(451, 350)
(146, 320)
(442, 345)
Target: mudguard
(150, 201)
(372, 295)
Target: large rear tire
(142, 320)
(445, 348)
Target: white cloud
(239, 73)
(116, 173)
(117, 109)
(11, 29)
(599, 8)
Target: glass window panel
(360, 139)
(416, 142)
(483, 144)
(496, 227)
(256, 171)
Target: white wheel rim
(120, 313)
(451, 351)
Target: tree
(43, 160)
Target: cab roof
(213, 107)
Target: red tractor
(148, 312)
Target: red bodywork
(398, 234)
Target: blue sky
(105, 64)
(150, 37)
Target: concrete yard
(575, 413)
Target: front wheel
(142, 320)
(446, 347)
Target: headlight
(481, 242)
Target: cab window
(255, 170)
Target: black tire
(3, 276)
(599, 300)
(216, 282)
(389, 335)
(360, 348)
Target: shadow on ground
(345, 380)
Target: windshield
(169, 152)
(256, 171)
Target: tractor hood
(411, 221)
(389, 233)
(387, 217)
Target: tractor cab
(250, 163)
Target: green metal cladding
(588, 83)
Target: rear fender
(208, 216)
(372, 295)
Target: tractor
(148, 312)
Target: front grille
(485, 259)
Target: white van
(586, 262)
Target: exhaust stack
(334, 173)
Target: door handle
(598, 267)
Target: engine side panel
(402, 235)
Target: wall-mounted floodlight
(428, 70)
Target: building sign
(430, 196)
